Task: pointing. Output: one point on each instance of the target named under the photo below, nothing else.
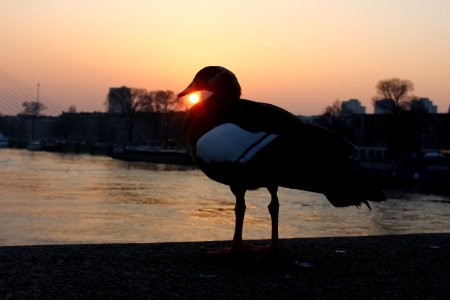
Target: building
(423, 105)
(384, 106)
(118, 99)
(352, 106)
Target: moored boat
(152, 154)
(4, 141)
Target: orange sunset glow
(194, 98)
(300, 55)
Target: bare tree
(333, 118)
(126, 102)
(167, 101)
(129, 102)
(32, 108)
(72, 109)
(161, 104)
(394, 94)
(146, 103)
(160, 101)
(334, 110)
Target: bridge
(14, 92)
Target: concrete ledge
(406, 267)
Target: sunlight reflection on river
(51, 198)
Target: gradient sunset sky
(300, 55)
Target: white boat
(4, 141)
(34, 145)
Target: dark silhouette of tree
(130, 108)
(334, 110)
(131, 103)
(72, 109)
(394, 94)
(159, 101)
(332, 116)
(127, 103)
(335, 118)
(32, 108)
(167, 102)
(161, 104)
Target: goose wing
(293, 134)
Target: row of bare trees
(397, 91)
(395, 97)
(130, 102)
(133, 100)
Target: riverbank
(417, 174)
(375, 267)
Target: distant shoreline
(414, 174)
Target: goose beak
(189, 90)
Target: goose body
(248, 145)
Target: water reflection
(52, 198)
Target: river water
(50, 198)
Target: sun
(194, 98)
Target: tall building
(423, 105)
(118, 98)
(352, 106)
(384, 106)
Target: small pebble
(303, 264)
(207, 276)
(340, 251)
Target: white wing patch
(230, 143)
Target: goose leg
(273, 210)
(238, 245)
(274, 207)
(239, 210)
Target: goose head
(219, 81)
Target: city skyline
(299, 55)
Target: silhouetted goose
(249, 145)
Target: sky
(301, 55)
